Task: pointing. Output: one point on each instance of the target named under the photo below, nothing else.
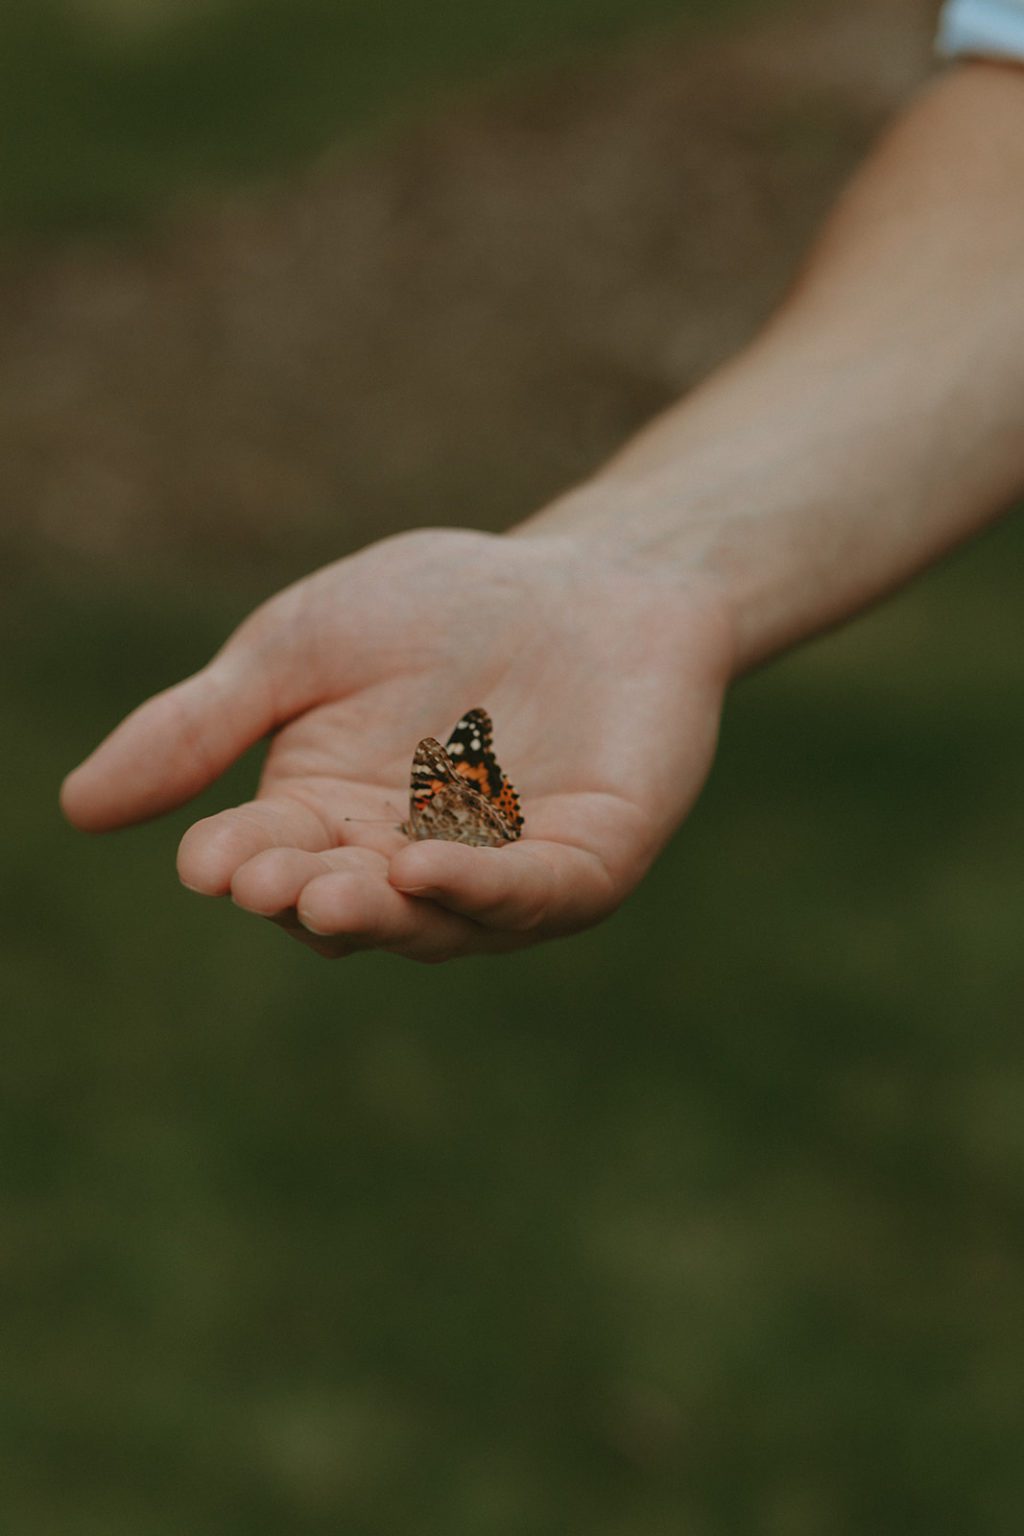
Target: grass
(710, 1220)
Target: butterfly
(458, 793)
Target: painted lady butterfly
(458, 793)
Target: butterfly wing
(458, 793)
(432, 773)
(471, 751)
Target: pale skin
(876, 421)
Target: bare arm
(879, 418)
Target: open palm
(604, 686)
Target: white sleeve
(992, 28)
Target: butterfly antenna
(375, 820)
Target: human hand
(605, 687)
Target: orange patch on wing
(508, 804)
(477, 774)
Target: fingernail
(310, 927)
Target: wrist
(636, 531)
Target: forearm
(878, 419)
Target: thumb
(174, 745)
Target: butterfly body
(458, 793)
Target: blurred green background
(107, 106)
(710, 1221)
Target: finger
(294, 929)
(339, 901)
(172, 746)
(213, 849)
(358, 909)
(269, 884)
(354, 911)
(520, 888)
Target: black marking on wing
(470, 744)
(430, 764)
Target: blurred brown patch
(448, 327)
